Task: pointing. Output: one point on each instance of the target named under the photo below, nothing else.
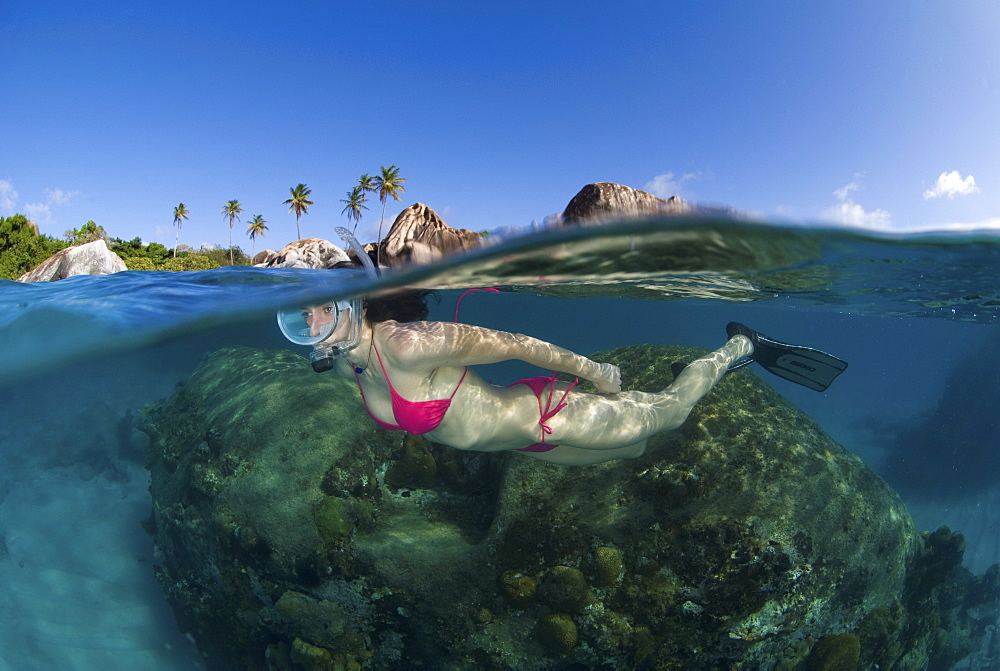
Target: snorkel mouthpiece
(322, 358)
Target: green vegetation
(254, 228)
(233, 210)
(299, 204)
(86, 233)
(355, 204)
(155, 256)
(22, 248)
(387, 184)
(180, 214)
(357, 197)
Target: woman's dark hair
(403, 306)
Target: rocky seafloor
(292, 534)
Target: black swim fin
(801, 365)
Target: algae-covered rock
(838, 652)
(416, 468)
(744, 539)
(331, 518)
(564, 589)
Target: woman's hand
(609, 379)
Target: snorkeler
(415, 375)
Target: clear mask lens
(312, 325)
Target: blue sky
(875, 114)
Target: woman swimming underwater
(415, 375)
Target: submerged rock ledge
(291, 534)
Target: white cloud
(986, 225)
(165, 234)
(8, 198)
(38, 213)
(845, 191)
(952, 184)
(668, 184)
(58, 197)
(849, 213)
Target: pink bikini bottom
(540, 385)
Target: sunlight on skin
(427, 360)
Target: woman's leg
(699, 376)
(565, 455)
(625, 420)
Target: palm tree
(367, 184)
(388, 183)
(355, 204)
(299, 203)
(180, 214)
(233, 210)
(254, 228)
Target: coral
(519, 589)
(558, 633)
(608, 565)
(564, 589)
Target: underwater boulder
(951, 452)
(290, 533)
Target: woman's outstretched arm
(433, 345)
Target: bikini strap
(382, 365)
(460, 381)
(551, 411)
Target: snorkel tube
(295, 324)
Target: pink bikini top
(413, 416)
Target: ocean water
(916, 316)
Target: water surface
(914, 315)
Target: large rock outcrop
(291, 534)
(304, 253)
(605, 201)
(419, 236)
(93, 258)
(959, 436)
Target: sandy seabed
(77, 589)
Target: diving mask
(314, 325)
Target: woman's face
(318, 316)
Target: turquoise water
(916, 317)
